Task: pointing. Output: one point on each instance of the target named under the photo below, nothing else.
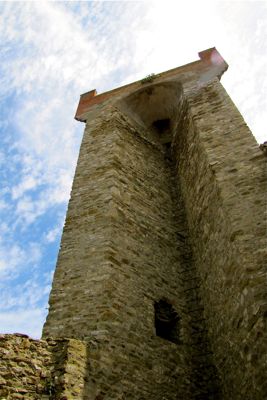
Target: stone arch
(155, 108)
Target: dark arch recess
(154, 107)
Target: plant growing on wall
(149, 78)
(49, 388)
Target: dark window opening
(167, 145)
(166, 321)
(168, 151)
(162, 125)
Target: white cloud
(10, 258)
(3, 205)
(29, 320)
(23, 310)
(13, 258)
(53, 234)
(28, 183)
(28, 294)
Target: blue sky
(50, 53)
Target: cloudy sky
(50, 53)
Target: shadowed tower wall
(161, 265)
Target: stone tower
(161, 259)
(160, 284)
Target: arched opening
(154, 108)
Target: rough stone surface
(223, 179)
(168, 206)
(42, 369)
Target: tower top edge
(209, 57)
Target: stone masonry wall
(223, 180)
(168, 205)
(186, 226)
(41, 369)
(123, 249)
(122, 255)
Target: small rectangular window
(166, 321)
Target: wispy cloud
(51, 236)
(14, 258)
(27, 320)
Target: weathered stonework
(160, 284)
(42, 369)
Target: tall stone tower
(160, 284)
(162, 256)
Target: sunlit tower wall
(162, 264)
